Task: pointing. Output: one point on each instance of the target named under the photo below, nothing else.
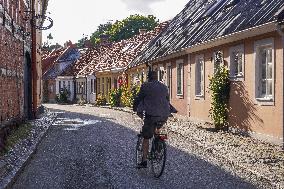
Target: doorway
(27, 86)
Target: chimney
(142, 31)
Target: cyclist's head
(152, 76)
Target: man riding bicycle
(153, 99)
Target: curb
(9, 180)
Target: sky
(74, 19)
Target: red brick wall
(11, 59)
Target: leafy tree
(125, 28)
(102, 29)
(81, 42)
(130, 26)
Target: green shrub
(220, 92)
(115, 97)
(128, 95)
(101, 100)
(63, 96)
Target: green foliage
(128, 95)
(130, 26)
(125, 28)
(114, 97)
(63, 96)
(220, 92)
(17, 134)
(101, 100)
(102, 29)
(81, 42)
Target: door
(27, 86)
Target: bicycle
(157, 154)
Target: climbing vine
(220, 92)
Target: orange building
(250, 37)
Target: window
(115, 83)
(161, 74)
(179, 77)
(169, 79)
(59, 85)
(98, 85)
(109, 83)
(69, 86)
(237, 62)
(92, 85)
(199, 76)
(264, 70)
(217, 60)
(103, 86)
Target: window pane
(269, 71)
(92, 85)
(198, 77)
(168, 76)
(263, 71)
(269, 87)
(269, 55)
(179, 72)
(235, 63)
(263, 88)
(240, 63)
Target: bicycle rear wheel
(158, 157)
(139, 151)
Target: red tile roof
(113, 56)
(50, 59)
(80, 64)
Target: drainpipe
(34, 60)
(281, 33)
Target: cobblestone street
(90, 147)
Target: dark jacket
(153, 98)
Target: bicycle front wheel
(158, 157)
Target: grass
(15, 136)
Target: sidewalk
(252, 159)
(13, 162)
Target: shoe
(143, 164)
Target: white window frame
(266, 100)
(178, 63)
(201, 95)
(240, 75)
